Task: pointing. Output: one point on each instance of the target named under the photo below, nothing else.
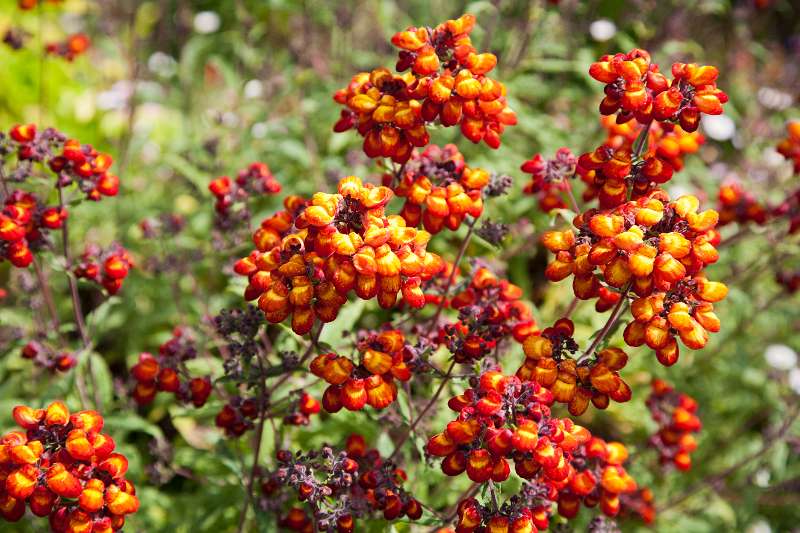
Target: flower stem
(461, 251)
(615, 314)
(262, 411)
(424, 411)
(571, 195)
(77, 312)
(47, 295)
(303, 359)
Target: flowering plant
(339, 315)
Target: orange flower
(391, 111)
(342, 242)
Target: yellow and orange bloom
(439, 189)
(391, 111)
(313, 254)
(635, 88)
(609, 172)
(64, 458)
(382, 359)
(495, 312)
(482, 440)
(551, 362)
(160, 373)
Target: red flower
(75, 465)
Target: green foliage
(195, 113)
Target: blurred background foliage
(181, 92)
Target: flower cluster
(382, 359)
(633, 159)
(301, 409)
(649, 244)
(44, 356)
(514, 516)
(381, 482)
(107, 268)
(166, 372)
(71, 47)
(635, 88)
(439, 188)
(790, 146)
(685, 311)
(639, 503)
(550, 178)
(598, 476)
(236, 416)
(340, 487)
(675, 414)
(738, 205)
(443, 78)
(313, 254)
(656, 249)
(24, 224)
(504, 418)
(68, 159)
(490, 310)
(63, 467)
(550, 362)
(255, 180)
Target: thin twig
(47, 295)
(571, 308)
(615, 314)
(262, 409)
(453, 511)
(73, 286)
(303, 359)
(571, 196)
(493, 493)
(77, 312)
(424, 411)
(452, 277)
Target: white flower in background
(677, 190)
(85, 109)
(253, 89)
(72, 22)
(116, 97)
(230, 119)
(259, 130)
(762, 478)
(774, 98)
(718, 127)
(780, 357)
(150, 153)
(772, 158)
(794, 380)
(602, 30)
(206, 22)
(162, 64)
(759, 527)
